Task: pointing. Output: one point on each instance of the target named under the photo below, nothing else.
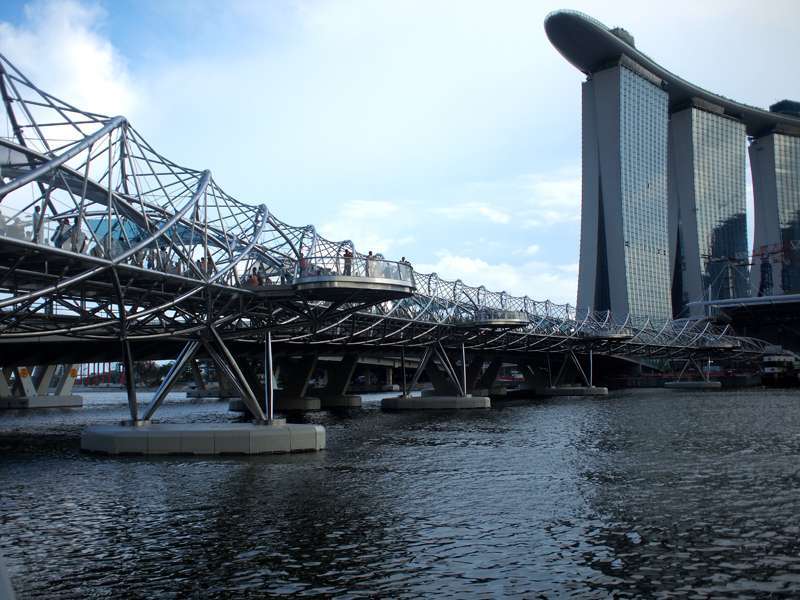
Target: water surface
(652, 493)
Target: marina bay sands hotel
(663, 225)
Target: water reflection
(640, 494)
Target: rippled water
(646, 493)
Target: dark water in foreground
(644, 494)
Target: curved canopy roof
(590, 46)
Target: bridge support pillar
(473, 372)
(443, 381)
(24, 387)
(295, 378)
(390, 385)
(705, 382)
(442, 385)
(584, 375)
(340, 374)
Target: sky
(446, 132)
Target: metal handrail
(366, 267)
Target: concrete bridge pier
(449, 385)
(24, 387)
(390, 385)
(559, 385)
(265, 435)
(223, 388)
(340, 374)
(484, 380)
(295, 377)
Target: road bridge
(108, 246)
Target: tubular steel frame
(102, 237)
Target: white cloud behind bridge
(446, 132)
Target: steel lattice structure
(102, 237)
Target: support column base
(281, 404)
(197, 438)
(435, 402)
(71, 401)
(693, 385)
(573, 390)
(345, 401)
(210, 394)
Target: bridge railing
(366, 267)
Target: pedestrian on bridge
(404, 269)
(151, 259)
(77, 239)
(37, 224)
(61, 233)
(348, 261)
(368, 266)
(253, 280)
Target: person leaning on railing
(61, 233)
(369, 267)
(404, 269)
(37, 224)
(76, 237)
(254, 280)
(348, 261)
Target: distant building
(663, 225)
(775, 163)
(708, 221)
(624, 257)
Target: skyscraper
(663, 223)
(624, 263)
(775, 163)
(708, 222)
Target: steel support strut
(448, 367)
(403, 364)
(423, 363)
(186, 354)
(248, 396)
(269, 383)
(127, 356)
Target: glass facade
(643, 172)
(718, 145)
(787, 183)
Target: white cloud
(553, 198)
(538, 280)
(528, 250)
(370, 224)
(474, 211)
(59, 49)
(541, 199)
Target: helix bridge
(103, 239)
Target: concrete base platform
(693, 385)
(236, 405)
(210, 394)
(196, 438)
(281, 404)
(346, 401)
(42, 402)
(517, 394)
(292, 404)
(435, 402)
(574, 390)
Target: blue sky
(448, 132)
